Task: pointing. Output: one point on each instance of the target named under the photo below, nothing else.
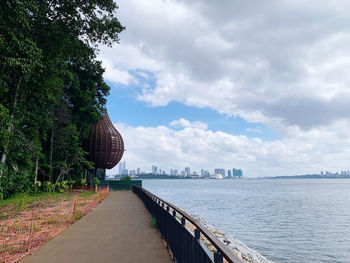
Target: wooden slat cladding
(106, 145)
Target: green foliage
(51, 89)
(125, 178)
(14, 181)
(4, 122)
(86, 194)
(154, 222)
(22, 202)
(80, 181)
(78, 214)
(47, 187)
(96, 181)
(62, 186)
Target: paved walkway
(118, 230)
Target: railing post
(218, 257)
(197, 234)
(183, 221)
(174, 213)
(167, 208)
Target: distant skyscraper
(229, 173)
(176, 173)
(220, 171)
(121, 168)
(138, 171)
(154, 169)
(234, 172)
(187, 171)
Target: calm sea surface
(286, 220)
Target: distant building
(154, 169)
(173, 172)
(121, 168)
(237, 173)
(229, 173)
(220, 171)
(138, 171)
(187, 171)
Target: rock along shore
(241, 250)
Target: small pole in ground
(30, 232)
(74, 206)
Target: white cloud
(202, 148)
(116, 75)
(282, 63)
(269, 62)
(187, 124)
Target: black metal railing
(184, 245)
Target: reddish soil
(23, 231)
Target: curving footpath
(118, 230)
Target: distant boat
(216, 176)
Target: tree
(51, 85)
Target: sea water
(286, 220)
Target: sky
(259, 85)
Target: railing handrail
(220, 246)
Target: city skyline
(186, 171)
(228, 173)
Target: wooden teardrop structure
(105, 144)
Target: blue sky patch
(123, 106)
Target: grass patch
(53, 220)
(24, 201)
(154, 222)
(86, 194)
(4, 216)
(78, 214)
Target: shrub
(61, 186)
(125, 178)
(96, 181)
(154, 222)
(47, 186)
(22, 202)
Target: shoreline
(241, 250)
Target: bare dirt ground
(26, 226)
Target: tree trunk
(10, 127)
(36, 168)
(51, 153)
(63, 170)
